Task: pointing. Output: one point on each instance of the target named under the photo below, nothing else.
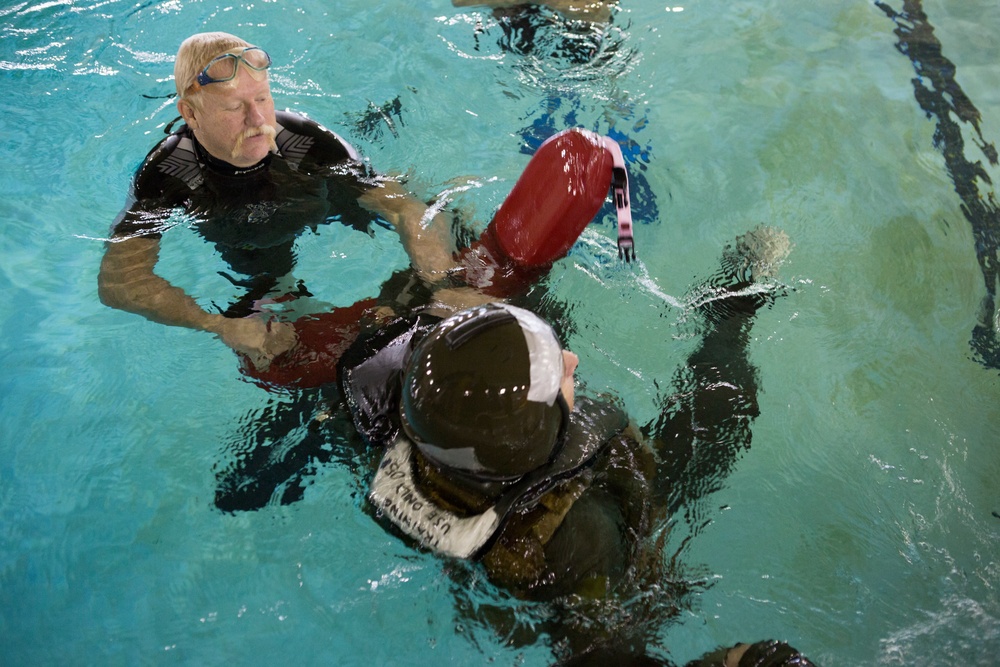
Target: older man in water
(253, 179)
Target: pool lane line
(943, 100)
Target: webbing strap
(623, 205)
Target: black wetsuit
(252, 216)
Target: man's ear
(188, 113)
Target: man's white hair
(196, 52)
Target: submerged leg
(707, 422)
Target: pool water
(862, 525)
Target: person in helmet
(482, 447)
(494, 457)
(490, 454)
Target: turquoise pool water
(863, 525)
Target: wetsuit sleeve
(155, 192)
(706, 424)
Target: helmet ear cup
(470, 393)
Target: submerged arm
(705, 425)
(425, 234)
(127, 282)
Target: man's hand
(260, 340)
(448, 301)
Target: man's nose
(255, 115)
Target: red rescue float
(558, 194)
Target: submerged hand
(261, 341)
(449, 300)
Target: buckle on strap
(620, 194)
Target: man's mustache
(266, 130)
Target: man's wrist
(212, 323)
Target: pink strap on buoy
(620, 193)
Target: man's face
(234, 120)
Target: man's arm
(425, 234)
(126, 281)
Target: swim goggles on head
(224, 67)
